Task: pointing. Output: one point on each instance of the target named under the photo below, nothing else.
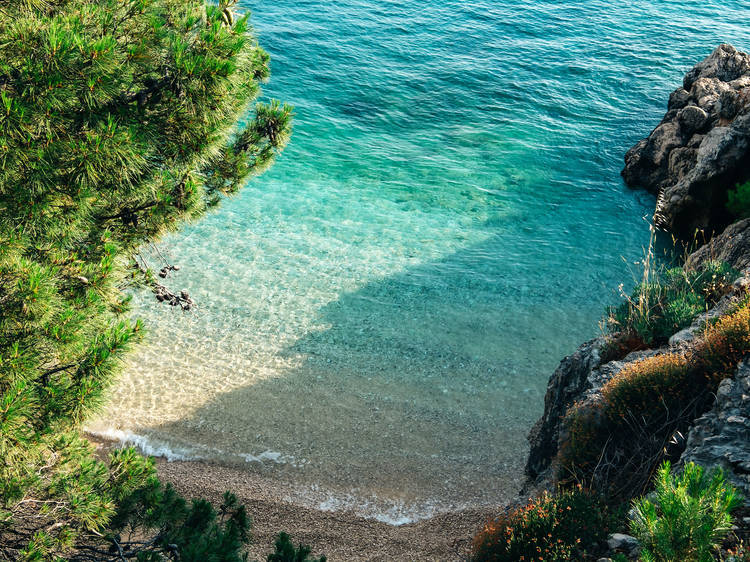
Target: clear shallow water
(379, 314)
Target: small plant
(688, 517)
(666, 301)
(739, 553)
(550, 528)
(738, 200)
(286, 552)
(724, 344)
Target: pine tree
(118, 123)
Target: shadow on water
(424, 384)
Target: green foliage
(158, 521)
(118, 123)
(688, 516)
(551, 528)
(286, 552)
(103, 509)
(666, 302)
(615, 444)
(738, 201)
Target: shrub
(666, 301)
(689, 515)
(615, 444)
(552, 527)
(724, 344)
(286, 552)
(738, 201)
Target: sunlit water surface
(379, 314)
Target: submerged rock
(721, 437)
(700, 149)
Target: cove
(379, 313)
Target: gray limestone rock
(721, 437)
(700, 149)
(731, 246)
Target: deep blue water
(379, 314)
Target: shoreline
(340, 535)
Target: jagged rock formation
(700, 149)
(731, 246)
(566, 385)
(722, 436)
(581, 376)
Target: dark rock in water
(721, 438)
(700, 149)
(731, 246)
(692, 119)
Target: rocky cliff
(581, 376)
(700, 149)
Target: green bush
(688, 516)
(667, 301)
(550, 528)
(738, 201)
(286, 552)
(614, 444)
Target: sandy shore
(340, 535)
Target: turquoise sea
(378, 315)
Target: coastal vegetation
(615, 443)
(685, 519)
(616, 446)
(118, 123)
(553, 527)
(738, 201)
(666, 301)
(690, 514)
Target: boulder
(565, 387)
(578, 379)
(700, 149)
(626, 544)
(692, 119)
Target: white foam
(278, 458)
(156, 448)
(145, 445)
(387, 511)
